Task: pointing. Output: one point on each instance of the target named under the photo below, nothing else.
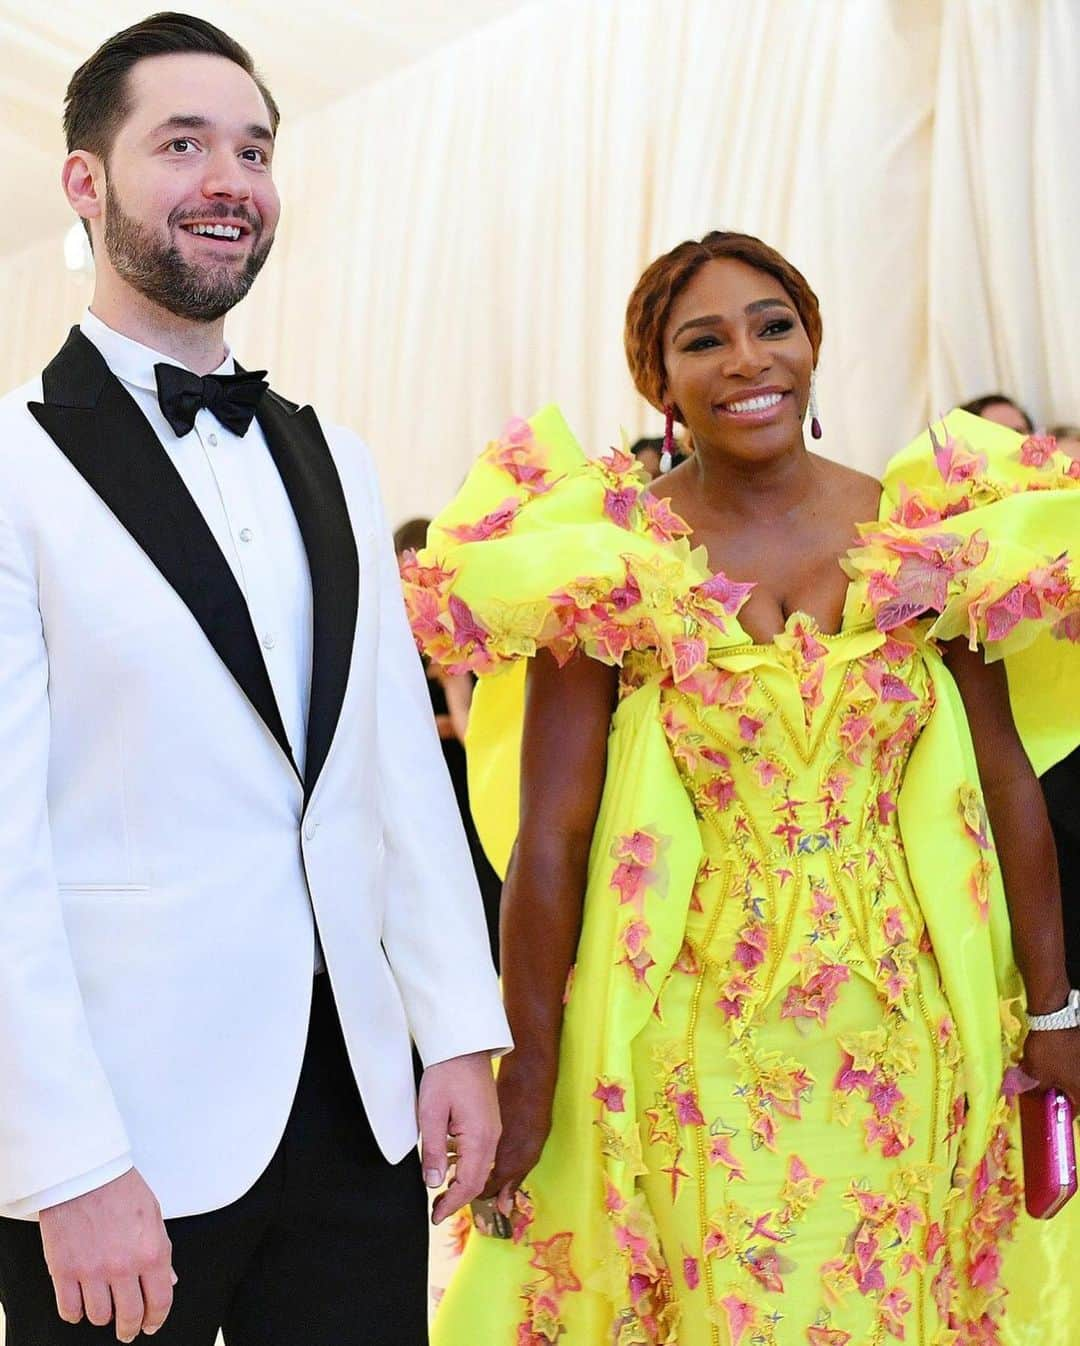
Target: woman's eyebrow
(710, 319)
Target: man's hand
(458, 1109)
(108, 1250)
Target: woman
(771, 1110)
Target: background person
(1001, 410)
(451, 699)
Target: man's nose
(225, 179)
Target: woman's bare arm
(563, 763)
(1025, 847)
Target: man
(1061, 788)
(232, 880)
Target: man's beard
(161, 274)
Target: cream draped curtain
(459, 240)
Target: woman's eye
(702, 343)
(778, 327)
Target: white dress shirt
(235, 483)
(236, 486)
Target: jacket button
(310, 828)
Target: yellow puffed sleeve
(979, 533)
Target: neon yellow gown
(780, 1115)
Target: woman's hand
(1053, 1058)
(526, 1089)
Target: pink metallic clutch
(1049, 1146)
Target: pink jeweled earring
(667, 453)
(815, 419)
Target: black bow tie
(232, 398)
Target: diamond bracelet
(1067, 1017)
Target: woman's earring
(815, 419)
(667, 453)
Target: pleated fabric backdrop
(459, 240)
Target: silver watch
(1069, 1017)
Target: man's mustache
(219, 211)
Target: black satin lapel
(108, 440)
(311, 480)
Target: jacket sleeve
(58, 1117)
(434, 932)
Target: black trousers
(328, 1248)
(1061, 786)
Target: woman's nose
(746, 358)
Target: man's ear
(83, 180)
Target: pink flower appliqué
(467, 630)
(619, 505)
(615, 463)
(751, 947)
(818, 995)
(687, 1110)
(689, 655)
(661, 520)
(612, 1096)
(552, 1257)
(720, 791)
(730, 594)
(740, 1314)
(636, 854)
(720, 1152)
(1037, 450)
(955, 461)
(495, 524)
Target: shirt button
(246, 534)
(310, 828)
(268, 641)
(212, 441)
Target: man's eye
(257, 156)
(181, 146)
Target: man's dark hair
(97, 99)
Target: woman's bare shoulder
(861, 488)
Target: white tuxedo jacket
(162, 865)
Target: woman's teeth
(754, 403)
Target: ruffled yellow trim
(545, 549)
(975, 538)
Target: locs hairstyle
(665, 279)
(97, 99)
